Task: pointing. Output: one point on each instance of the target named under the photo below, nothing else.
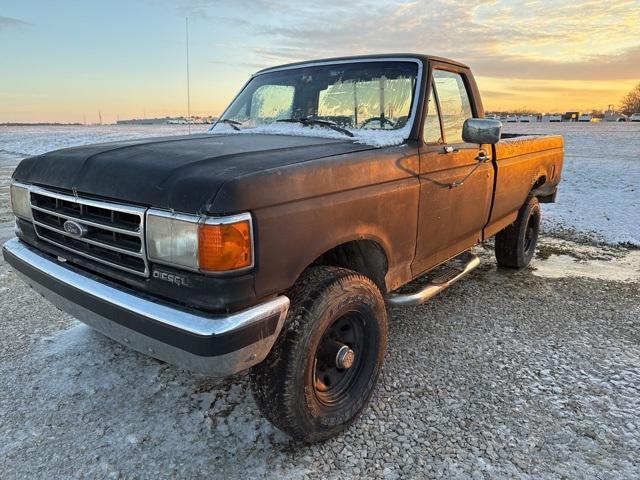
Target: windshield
(369, 101)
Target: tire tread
(509, 247)
(272, 383)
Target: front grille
(111, 234)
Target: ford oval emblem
(75, 229)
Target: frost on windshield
(272, 101)
(375, 138)
(370, 101)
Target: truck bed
(524, 163)
(516, 144)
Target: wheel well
(363, 256)
(539, 182)
(542, 193)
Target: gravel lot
(505, 375)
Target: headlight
(19, 201)
(208, 244)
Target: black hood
(182, 173)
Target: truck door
(455, 188)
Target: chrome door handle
(450, 149)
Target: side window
(272, 102)
(431, 131)
(455, 107)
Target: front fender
(291, 236)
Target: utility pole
(186, 24)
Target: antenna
(186, 24)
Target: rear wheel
(516, 244)
(324, 367)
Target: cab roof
(380, 56)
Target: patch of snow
(373, 137)
(626, 269)
(35, 140)
(569, 259)
(599, 196)
(85, 386)
(521, 138)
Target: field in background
(599, 199)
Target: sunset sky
(64, 60)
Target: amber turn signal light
(224, 247)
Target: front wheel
(516, 244)
(325, 365)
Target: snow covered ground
(40, 139)
(599, 199)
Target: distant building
(571, 117)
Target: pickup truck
(275, 241)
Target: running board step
(464, 264)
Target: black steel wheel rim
(332, 384)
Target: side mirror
(481, 130)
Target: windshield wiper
(232, 123)
(308, 121)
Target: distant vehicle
(551, 117)
(276, 241)
(635, 117)
(527, 118)
(615, 117)
(512, 119)
(585, 118)
(612, 116)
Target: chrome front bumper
(216, 345)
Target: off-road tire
(516, 244)
(285, 385)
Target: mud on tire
(516, 244)
(323, 369)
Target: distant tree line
(631, 102)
